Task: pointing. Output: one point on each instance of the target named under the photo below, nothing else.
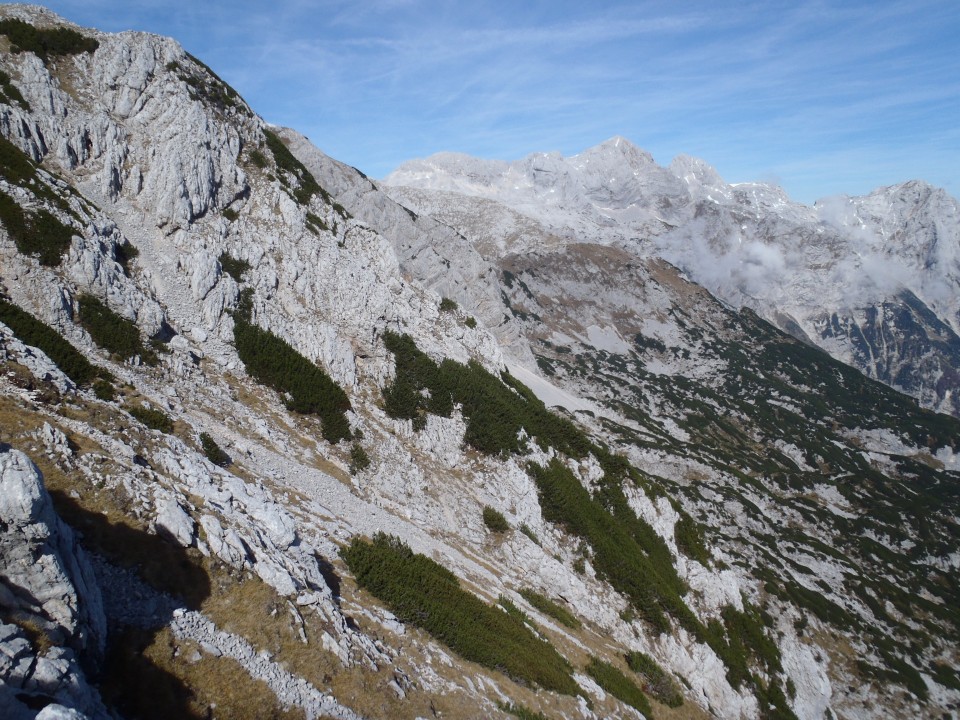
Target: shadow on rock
(143, 579)
(136, 687)
(160, 563)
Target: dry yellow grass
(153, 675)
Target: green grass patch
(619, 685)
(550, 608)
(421, 592)
(275, 363)
(112, 332)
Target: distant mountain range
(874, 280)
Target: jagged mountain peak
(617, 149)
(694, 170)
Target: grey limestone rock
(48, 589)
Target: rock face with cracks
(49, 597)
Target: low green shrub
(9, 93)
(619, 685)
(234, 267)
(496, 409)
(448, 305)
(658, 682)
(421, 592)
(525, 529)
(521, 712)
(45, 42)
(37, 233)
(470, 322)
(104, 390)
(214, 452)
(494, 520)
(359, 460)
(689, 537)
(285, 160)
(153, 418)
(275, 363)
(37, 334)
(550, 608)
(316, 223)
(648, 579)
(258, 158)
(114, 333)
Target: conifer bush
(359, 460)
(286, 161)
(421, 592)
(112, 332)
(45, 42)
(213, 451)
(619, 685)
(38, 233)
(658, 683)
(275, 363)
(234, 267)
(496, 409)
(123, 253)
(153, 418)
(494, 520)
(521, 711)
(648, 579)
(550, 608)
(9, 92)
(40, 335)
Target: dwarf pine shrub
(424, 593)
(40, 335)
(273, 362)
(112, 332)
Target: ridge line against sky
(821, 97)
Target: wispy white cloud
(798, 90)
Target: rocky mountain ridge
(718, 527)
(871, 280)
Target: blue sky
(822, 97)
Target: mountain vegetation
(575, 483)
(422, 592)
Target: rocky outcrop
(53, 620)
